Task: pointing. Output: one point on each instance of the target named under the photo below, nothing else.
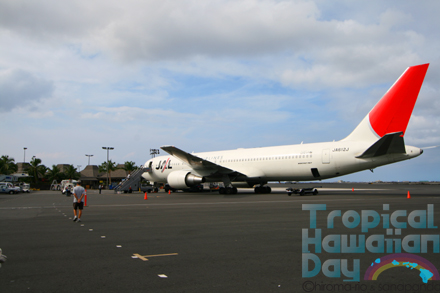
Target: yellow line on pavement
(144, 257)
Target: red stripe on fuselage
(164, 166)
(392, 112)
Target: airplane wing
(198, 163)
(391, 143)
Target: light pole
(108, 149)
(154, 152)
(89, 158)
(24, 157)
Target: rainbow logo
(427, 270)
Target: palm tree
(108, 167)
(129, 166)
(43, 171)
(71, 172)
(54, 173)
(36, 169)
(7, 165)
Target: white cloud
(19, 88)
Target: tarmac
(205, 242)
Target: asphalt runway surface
(199, 242)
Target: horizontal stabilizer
(391, 143)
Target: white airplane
(376, 141)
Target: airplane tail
(393, 111)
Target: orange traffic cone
(85, 198)
(145, 196)
(408, 196)
(352, 189)
(169, 191)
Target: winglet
(391, 114)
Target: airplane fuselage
(303, 162)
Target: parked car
(55, 185)
(24, 187)
(8, 187)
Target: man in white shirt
(78, 201)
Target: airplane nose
(421, 151)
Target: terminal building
(90, 176)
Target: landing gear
(262, 189)
(227, 190)
(167, 188)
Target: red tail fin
(392, 112)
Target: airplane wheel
(315, 192)
(263, 189)
(301, 193)
(231, 190)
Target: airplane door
(326, 156)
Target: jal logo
(163, 165)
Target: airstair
(133, 180)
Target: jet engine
(183, 179)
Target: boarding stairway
(133, 180)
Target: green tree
(54, 173)
(130, 166)
(108, 166)
(7, 165)
(36, 169)
(71, 172)
(43, 170)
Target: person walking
(78, 201)
(100, 188)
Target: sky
(76, 76)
